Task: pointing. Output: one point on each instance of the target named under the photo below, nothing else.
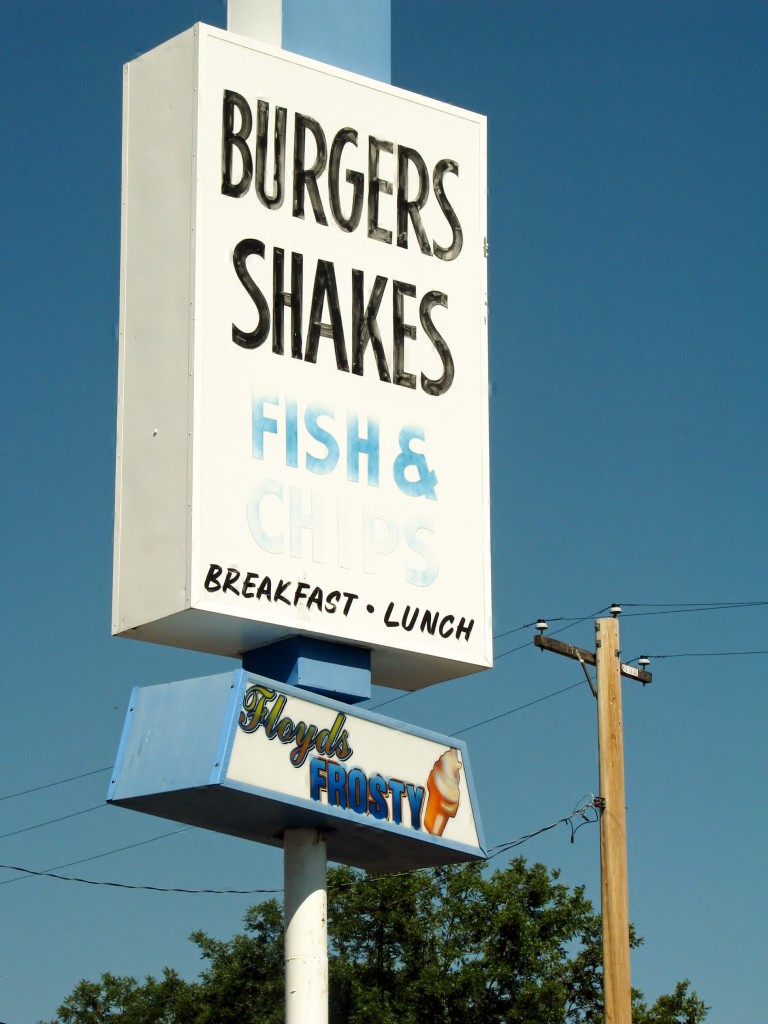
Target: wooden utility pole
(613, 827)
(617, 991)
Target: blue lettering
(337, 785)
(357, 791)
(261, 424)
(330, 460)
(357, 446)
(396, 788)
(291, 434)
(377, 804)
(317, 777)
(415, 800)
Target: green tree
(457, 945)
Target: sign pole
(306, 931)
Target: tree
(456, 945)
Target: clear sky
(628, 231)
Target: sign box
(302, 414)
(250, 757)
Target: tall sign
(302, 430)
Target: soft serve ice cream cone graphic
(443, 790)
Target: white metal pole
(306, 929)
(258, 19)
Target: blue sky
(628, 229)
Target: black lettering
(332, 601)
(250, 339)
(280, 590)
(387, 613)
(464, 628)
(429, 622)
(315, 599)
(446, 626)
(248, 584)
(410, 207)
(211, 580)
(300, 592)
(231, 140)
(427, 304)
(408, 624)
(305, 178)
(443, 167)
(354, 178)
(401, 331)
(265, 589)
(281, 299)
(375, 186)
(351, 598)
(325, 288)
(365, 327)
(233, 575)
(275, 200)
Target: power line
(687, 609)
(522, 707)
(126, 885)
(98, 856)
(494, 851)
(50, 785)
(705, 654)
(52, 821)
(578, 812)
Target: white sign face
(330, 472)
(363, 769)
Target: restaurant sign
(251, 757)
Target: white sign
(302, 436)
(242, 754)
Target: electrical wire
(570, 623)
(494, 851)
(52, 821)
(522, 707)
(96, 856)
(143, 888)
(704, 654)
(578, 812)
(50, 785)
(686, 609)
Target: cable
(704, 654)
(143, 888)
(522, 707)
(50, 785)
(696, 608)
(52, 821)
(555, 632)
(578, 812)
(98, 856)
(494, 851)
(695, 604)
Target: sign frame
(173, 583)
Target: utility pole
(617, 991)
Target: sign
(302, 426)
(245, 755)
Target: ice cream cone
(443, 792)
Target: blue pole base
(332, 670)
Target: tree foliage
(450, 945)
